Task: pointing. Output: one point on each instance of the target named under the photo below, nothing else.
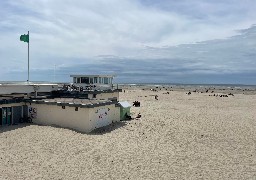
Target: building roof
(72, 102)
(125, 104)
(37, 83)
(28, 87)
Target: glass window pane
(91, 80)
(105, 80)
(85, 80)
(95, 80)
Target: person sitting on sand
(138, 116)
(136, 103)
(127, 116)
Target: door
(4, 116)
(25, 111)
(1, 117)
(9, 115)
(16, 114)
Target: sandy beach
(179, 136)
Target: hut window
(94, 95)
(95, 80)
(91, 80)
(105, 80)
(63, 107)
(100, 80)
(76, 108)
(85, 80)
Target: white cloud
(67, 32)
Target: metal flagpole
(54, 73)
(28, 56)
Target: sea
(179, 85)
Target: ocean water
(227, 86)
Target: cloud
(181, 34)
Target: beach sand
(179, 136)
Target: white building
(82, 115)
(82, 111)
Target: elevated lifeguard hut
(93, 82)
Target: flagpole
(28, 57)
(54, 72)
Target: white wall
(104, 115)
(84, 120)
(67, 118)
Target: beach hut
(124, 109)
(81, 115)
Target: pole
(28, 56)
(54, 72)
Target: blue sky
(187, 41)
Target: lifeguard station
(93, 82)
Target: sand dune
(179, 136)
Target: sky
(139, 41)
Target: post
(54, 73)
(28, 57)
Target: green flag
(24, 38)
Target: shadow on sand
(109, 128)
(98, 131)
(13, 127)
